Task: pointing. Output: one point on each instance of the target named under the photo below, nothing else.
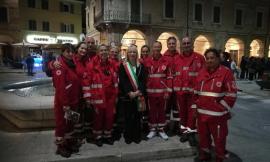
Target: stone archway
(256, 48)
(132, 37)
(163, 39)
(235, 47)
(201, 44)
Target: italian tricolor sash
(134, 82)
(131, 75)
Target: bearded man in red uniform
(215, 95)
(102, 94)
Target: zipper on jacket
(218, 131)
(202, 86)
(212, 85)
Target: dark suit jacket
(125, 84)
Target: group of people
(94, 88)
(249, 68)
(253, 67)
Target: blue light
(38, 61)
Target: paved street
(249, 138)
(250, 127)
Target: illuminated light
(132, 37)
(40, 39)
(46, 39)
(38, 61)
(256, 48)
(201, 44)
(64, 39)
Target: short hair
(215, 51)
(146, 46)
(158, 42)
(67, 46)
(116, 47)
(171, 38)
(103, 45)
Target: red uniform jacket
(100, 77)
(171, 57)
(80, 67)
(67, 84)
(185, 72)
(215, 93)
(159, 80)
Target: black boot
(108, 141)
(203, 157)
(184, 137)
(62, 149)
(192, 140)
(99, 142)
(74, 145)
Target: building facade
(47, 23)
(237, 26)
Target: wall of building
(217, 34)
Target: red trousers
(104, 117)
(187, 121)
(157, 116)
(172, 108)
(218, 129)
(63, 127)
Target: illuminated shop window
(201, 44)
(132, 37)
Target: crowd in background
(249, 67)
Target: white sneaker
(163, 135)
(151, 134)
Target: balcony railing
(124, 17)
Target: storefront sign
(46, 39)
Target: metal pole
(187, 33)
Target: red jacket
(159, 80)
(67, 84)
(170, 57)
(215, 93)
(101, 77)
(170, 54)
(185, 72)
(80, 67)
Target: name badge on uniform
(185, 67)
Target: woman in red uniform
(66, 100)
(215, 95)
(83, 128)
(102, 94)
